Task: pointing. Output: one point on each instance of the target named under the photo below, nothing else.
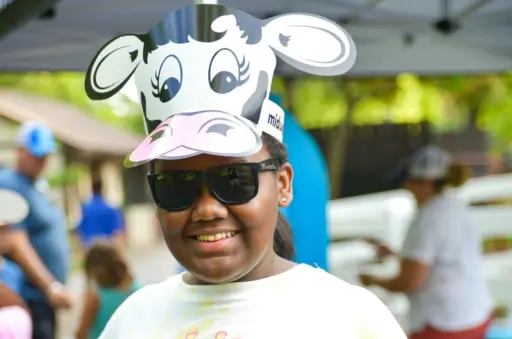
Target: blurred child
(109, 284)
(15, 320)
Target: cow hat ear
(113, 66)
(311, 43)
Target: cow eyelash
(155, 85)
(243, 68)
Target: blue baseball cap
(37, 139)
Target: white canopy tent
(392, 36)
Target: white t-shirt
(455, 296)
(304, 302)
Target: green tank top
(110, 299)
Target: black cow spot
(252, 107)
(284, 40)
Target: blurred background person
(40, 242)
(15, 321)
(110, 282)
(308, 211)
(441, 260)
(99, 220)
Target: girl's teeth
(215, 237)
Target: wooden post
(338, 138)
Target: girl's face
(245, 251)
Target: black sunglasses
(231, 184)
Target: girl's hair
(105, 265)
(283, 236)
(457, 176)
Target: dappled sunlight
(371, 111)
(406, 106)
(447, 103)
(322, 103)
(317, 103)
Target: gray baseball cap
(427, 163)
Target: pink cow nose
(185, 135)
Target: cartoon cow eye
(169, 89)
(171, 71)
(224, 72)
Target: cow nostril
(220, 129)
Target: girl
(15, 321)
(109, 273)
(441, 269)
(219, 173)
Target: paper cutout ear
(113, 66)
(311, 43)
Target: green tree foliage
(322, 102)
(69, 176)
(485, 101)
(448, 103)
(69, 88)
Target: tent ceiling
(392, 35)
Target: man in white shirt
(441, 267)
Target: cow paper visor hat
(204, 74)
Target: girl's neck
(270, 265)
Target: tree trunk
(337, 142)
(66, 191)
(287, 97)
(473, 118)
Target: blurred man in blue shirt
(99, 219)
(40, 242)
(308, 211)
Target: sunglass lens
(234, 184)
(175, 191)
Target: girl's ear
(285, 185)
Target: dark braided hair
(283, 236)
